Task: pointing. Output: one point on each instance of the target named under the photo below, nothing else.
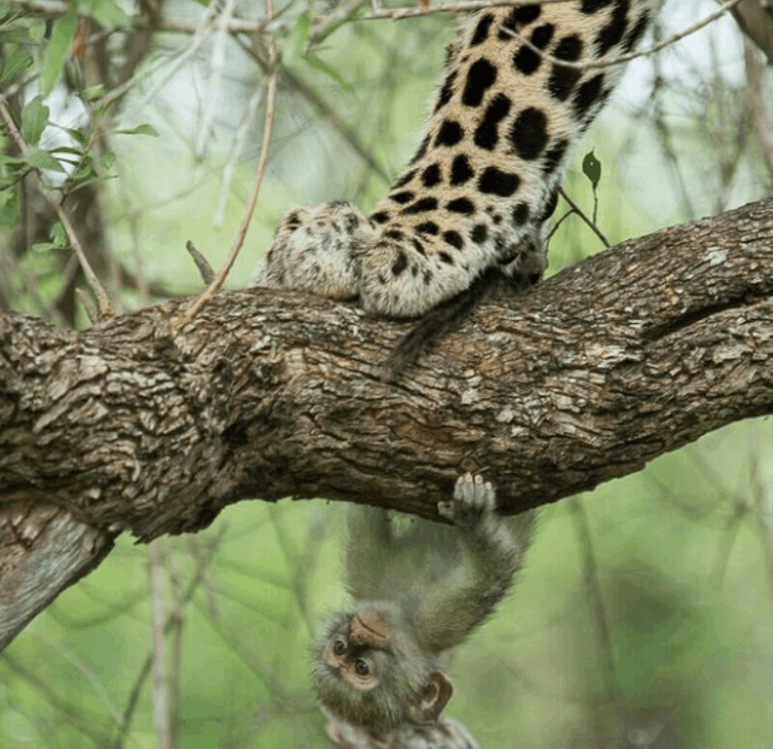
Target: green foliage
(58, 47)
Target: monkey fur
(380, 666)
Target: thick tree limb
(136, 424)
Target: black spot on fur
(526, 60)
(418, 246)
(521, 213)
(461, 171)
(562, 79)
(480, 77)
(431, 175)
(587, 94)
(450, 134)
(422, 150)
(394, 234)
(479, 233)
(351, 224)
(380, 218)
(561, 82)
(454, 239)
(402, 197)
(481, 30)
(447, 91)
(461, 205)
(529, 133)
(613, 32)
(420, 206)
(592, 6)
(446, 258)
(428, 227)
(553, 156)
(568, 48)
(550, 206)
(519, 17)
(404, 180)
(635, 33)
(486, 135)
(542, 35)
(496, 182)
(427, 277)
(293, 221)
(400, 264)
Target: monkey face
(370, 672)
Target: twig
(103, 302)
(205, 269)
(576, 209)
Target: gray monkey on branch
(380, 667)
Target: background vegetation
(644, 615)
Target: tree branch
(133, 424)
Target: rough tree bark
(135, 424)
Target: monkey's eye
(339, 647)
(362, 667)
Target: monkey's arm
(449, 613)
(368, 552)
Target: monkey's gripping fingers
(473, 500)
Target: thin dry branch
(137, 424)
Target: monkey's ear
(435, 698)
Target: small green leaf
(58, 235)
(140, 130)
(106, 13)
(107, 160)
(328, 70)
(77, 135)
(591, 167)
(41, 247)
(59, 47)
(41, 159)
(34, 118)
(12, 62)
(299, 36)
(68, 150)
(92, 93)
(9, 208)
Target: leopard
(520, 88)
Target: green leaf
(34, 118)
(41, 247)
(58, 235)
(92, 93)
(328, 70)
(107, 160)
(140, 130)
(591, 167)
(77, 135)
(299, 36)
(9, 208)
(12, 62)
(41, 159)
(68, 150)
(106, 13)
(59, 47)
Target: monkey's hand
(474, 499)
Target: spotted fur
(479, 189)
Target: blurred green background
(644, 614)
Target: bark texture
(138, 424)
